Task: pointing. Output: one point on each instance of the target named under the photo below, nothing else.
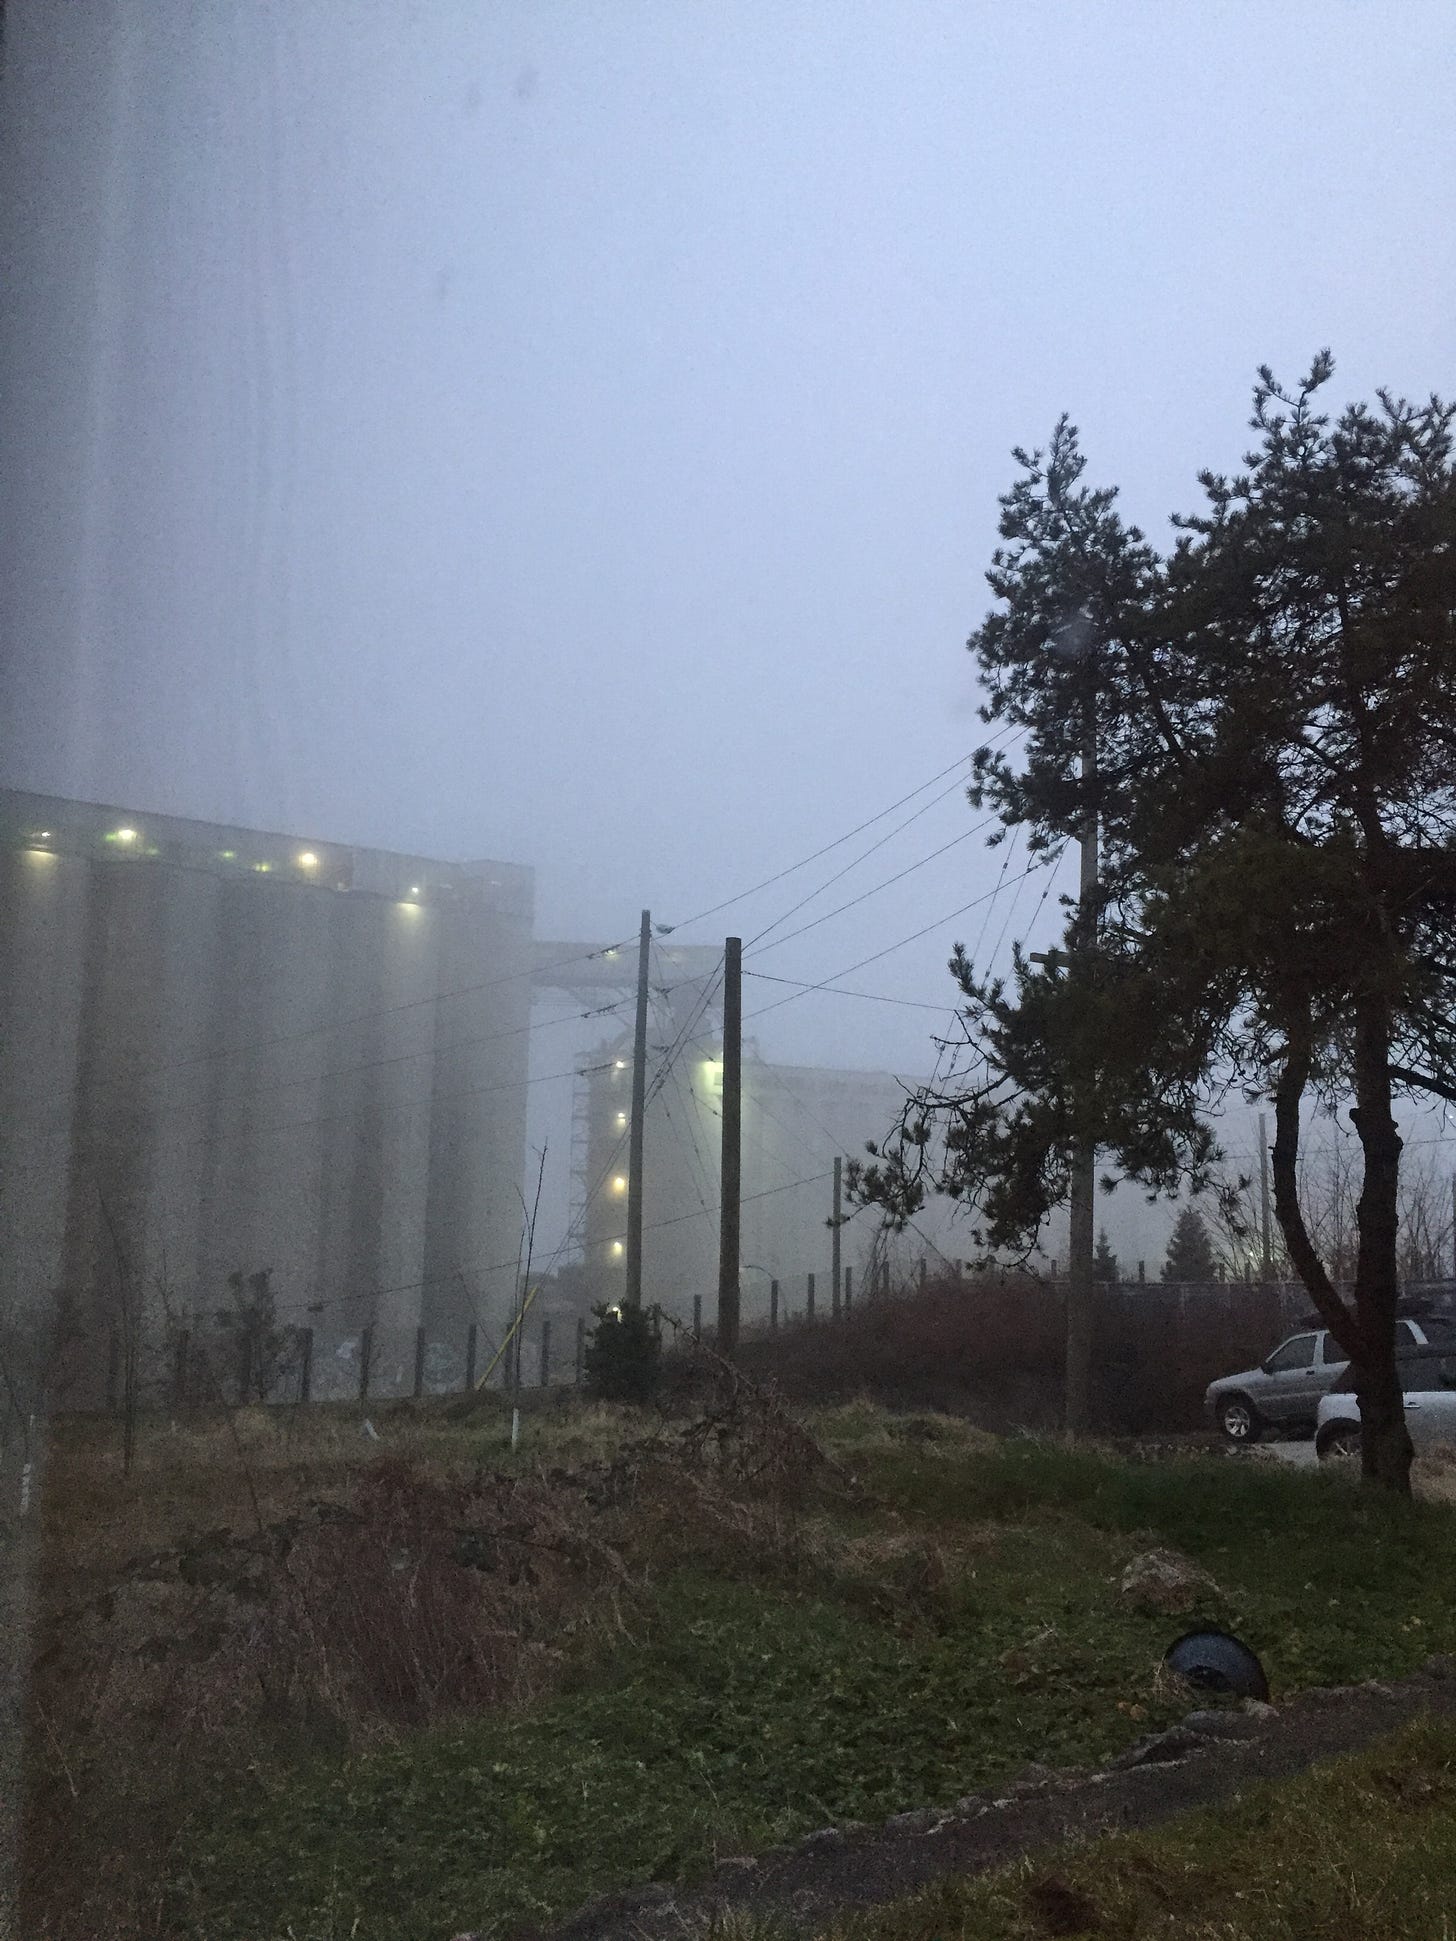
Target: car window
(1297, 1352)
(1404, 1333)
(1436, 1327)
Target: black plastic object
(1216, 1661)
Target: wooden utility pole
(1268, 1254)
(834, 1229)
(729, 1237)
(639, 1122)
(1082, 1238)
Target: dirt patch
(1211, 1755)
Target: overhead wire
(875, 888)
(667, 929)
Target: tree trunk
(1385, 1444)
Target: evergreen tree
(1104, 1261)
(1190, 1251)
(1274, 717)
(623, 1354)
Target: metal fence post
(545, 1351)
(773, 1304)
(920, 1272)
(305, 1366)
(580, 1347)
(419, 1363)
(366, 1349)
(697, 1317)
(809, 1298)
(470, 1340)
(179, 1370)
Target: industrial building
(795, 1121)
(228, 1050)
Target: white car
(1428, 1379)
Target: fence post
(885, 1278)
(419, 1363)
(809, 1299)
(920, 1272)
(366, 1349)
(697, 1317)
(470, 1341)
(773, 1304)
(580, 1348)
(179, 1370)
(305, 1367)
(245, 1368)
(848, 1289)
(545, 1351)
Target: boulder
(1166, 1581)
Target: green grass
(751, 1704)
(1361, 1849)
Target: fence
(181, 1367)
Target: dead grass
(278, 1578)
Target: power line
(899, 944)
(855, 862)
(363, 1017)
(838, 990)
(875, 888)
(666, 929)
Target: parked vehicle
(1428, 1379)
(1285, 1391)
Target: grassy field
(645, 1662)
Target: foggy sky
(572, 432)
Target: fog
(572, 433)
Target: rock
(1256, 1708)
(1162, 1749)
(1328, 1694)
(1224, 1725)
(1166, 1581)
(927, 1820)
(820, 1842)
(1034, 1778)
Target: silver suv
(1284, 1392)
(1428, 1380)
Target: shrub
(624, 1354)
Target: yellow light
(621, 1118)
(262, 868)
(619, 1184)
(616, 1248)
(414, 889)
(620, 1065)
(42, 835)
(713, 1074)
(228, 855)
(124, 835)
(308, 860)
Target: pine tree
(1190, 1251)
(624, 1354)
(1104, 1261)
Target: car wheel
(1238, 1419)
(1341, 1443)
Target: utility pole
(834, 1229)
(729, 1237)
(1268, 1259)
(1082, 1238)
(636, 1140)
